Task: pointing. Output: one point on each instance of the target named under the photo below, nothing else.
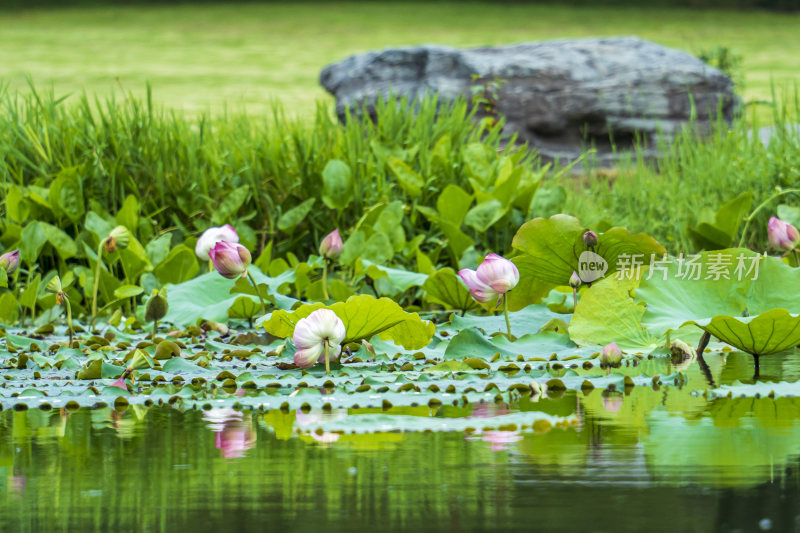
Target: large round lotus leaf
(553, 246)
(673, 300)
(363, 317)
(637, 313)
(771, 332)
(209, 297)
(607, 313)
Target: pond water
(665, 458)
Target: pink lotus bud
(212, 236)
(313, 332)
(590, 239)
(10, 261)
(479, 290)
(782, 235)
(610, 355)
(331, 245)
(498, 273)
(230, 259)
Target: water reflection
(647, 444)
(233, 431)
(626, 457)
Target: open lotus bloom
(313, 333)
(495, 276)
(331, 245)
(10, 261)
(230, 259)
(782, 235)
(212, 236)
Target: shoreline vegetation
(267, 175)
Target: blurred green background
(209, 56)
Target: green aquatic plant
(118, 238)
(54, 286)
(742, 298)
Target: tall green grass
(665, 197)
(188, 173)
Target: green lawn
(233, 56)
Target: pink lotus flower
(230, 259)
(212, 236)
(495, 276)
(610, 355)
(331, 245)
(10, 261)
(313, 333)
(782, 235)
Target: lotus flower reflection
(233, 430)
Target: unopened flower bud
(782, 235)
(118, 239)
(230, 259)
(157, 306)
(331, 245)
(10, 261)
(574, 280)
(54, 285)
(590, 239)
(610, 355)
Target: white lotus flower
(313, 334)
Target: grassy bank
(216, 57)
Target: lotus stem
(505, 312)
(155, 328)
(327, 357)
(97, 281)
(210, 265)
(258, 292)
(701, 346)
(69, 319)
(796, 258)
(325, 278)
(749, 218)
(574, 300)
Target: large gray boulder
(561, 96)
